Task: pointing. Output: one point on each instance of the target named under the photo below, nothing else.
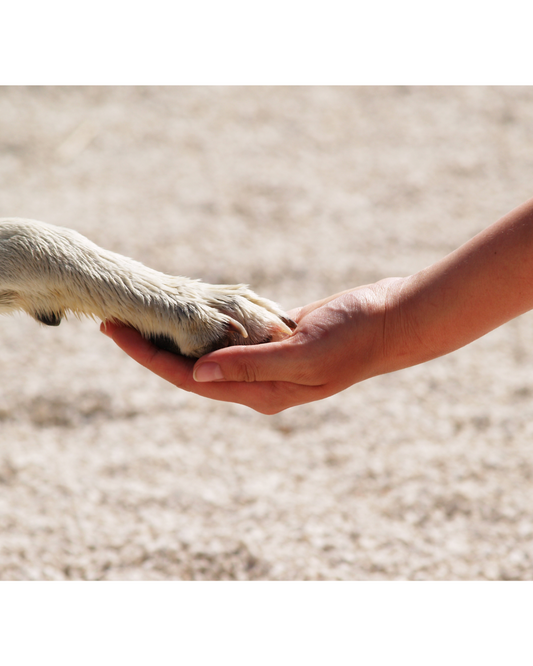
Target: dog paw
(49, 271)
(217, 316)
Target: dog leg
(48, 271)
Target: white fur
(48, 271)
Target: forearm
(483, 284)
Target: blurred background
(108, 472)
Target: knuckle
(245, 371)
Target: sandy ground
(108, 472)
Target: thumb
(273, 361)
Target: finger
(300, 313)
(274, 361)
(172, 367)
(264, 397)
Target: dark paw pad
(50, 318)
(164, 342)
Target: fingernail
(208, 372)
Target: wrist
(404, 340)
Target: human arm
(370, 330)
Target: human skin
(366, 331)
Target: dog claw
(290, 322)
(238, 327)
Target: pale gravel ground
(108, 472)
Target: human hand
(371, 330)
(338, 342)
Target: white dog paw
(218, 316)
(49, 271)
